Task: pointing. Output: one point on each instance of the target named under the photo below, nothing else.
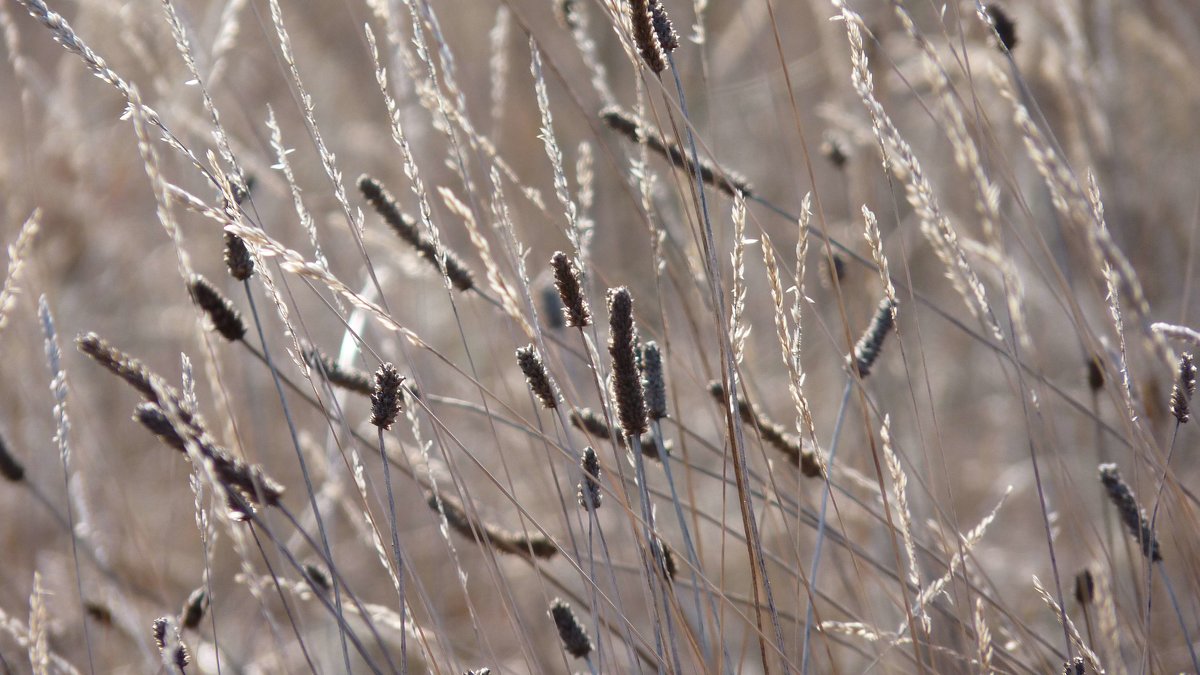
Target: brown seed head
(386, 398)
(536, 376)
(220, 310)
(1185, 386)
(1085, 588)
(574, 638)
(626, 381)
(569, 281)
(194, 609)
(654, 381)
(869, 345)
(442, 259)
(645, 36)
(668, 39)
(1006, 28)
(1131, 514)
(588, 490)
(237, 257)
(349, 378)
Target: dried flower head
(158, 629)
(834, 150)
(220, 310)
(386, 398)
(1131, 514)
(1076, 666)
(772, 433)
(569, 281)
(588, 490)
(490, 534)
(866, 351)
(536, 376)
(1185, 386)
(626, 381)
(574, 638)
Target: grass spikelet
(489, 534)
(38, 641)
(900, 495)
(588, 490)
(569, 282)
(1185, 386)
(348, 378)
(536, 376)
(10, 467)
(220, 310)
(626, 381)
(406, 228)
(1131, 514)
(570, 631)
(867, 349)
(638, 131)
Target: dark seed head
(626, 381)
(238, 258)
(1131, 514)
(1085, 588)
(158, 629)
(10, 468)
(668, 39)
(834, 150)
(194, 609)
(225, 318)
(536, 376)
(869, 345)
(1185, 386)
(573, 637)
(654, 381)
(1095, 374)
(386, 399)
(1006, 28)
(588, 490)
(569, 281)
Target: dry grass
(555, 242)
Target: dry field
(604, 336)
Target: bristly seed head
(1076, 666)
(626, 381)
(237, 257)
(386, 399)
(348, 378)
(573, 637)
(866, 351)
(1006, 28)
(10, 467)
(654, 381)
(1185, 386)
(834, 150)
(588, 490)
(536, 376)
(220, 310)
(569, 281)
(1131, 514)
